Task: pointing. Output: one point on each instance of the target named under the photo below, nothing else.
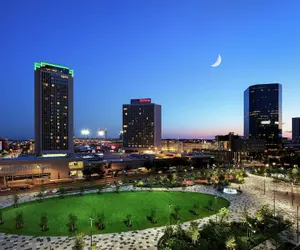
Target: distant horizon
(159, 50)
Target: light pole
(297, 224)
(91, 219)
(170, 206)
(292, 194)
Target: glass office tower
(296, 130)
(53, 87)
(263, 112)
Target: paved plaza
(252, 197)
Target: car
(54, 191)
(4, 189)
(45, 192)
(24, 187)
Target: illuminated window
(65, 97)
(125, 113)
(66, 107)
(57, 103)
(52, 85)
(45, 84)
(124, 108)
(65, 137)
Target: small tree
(100, 221)
(1, 217)
(128, 220)
(193, 232)
(176, 212)
(117, 188)
(209, 204)
(16, 200)
(72, 222)
(100, 189)
(223, 213)
(81, 190)
(153, 216)
(79, 243)
(19, 220)
(195, 209)
(44, 222)
(230, 243)
(40, 196)
(62, 192)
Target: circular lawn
(114, 206)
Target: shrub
(72, 219)
(19, 220)
(44, 222)
(100, 221)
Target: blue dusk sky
(159, 49)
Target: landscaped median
(111, 212)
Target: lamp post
(297, 224)
(292, 194)
(91, 219)
(85, 132)
(170, 207)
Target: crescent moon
(218, 62)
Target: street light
(85, 132)
(91, 219)
(170, 206)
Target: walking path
(252, 197)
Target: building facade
(263, 113)
(296, 130)
(141, 125)
(53, 99)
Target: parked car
(24, 187)
(4, 189)
(54, 191)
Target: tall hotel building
(141, 125)
(53, 101)
(263, 112)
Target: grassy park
(111, 212)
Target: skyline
(163, 51)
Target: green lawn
(114, 206)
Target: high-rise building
(141, 125)
(263, 112)
(296, 130)
(53, 101)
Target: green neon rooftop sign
(38, 65)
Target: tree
(128, 220)
(19, 220)
(193, 232)
(223, 213)
(72, 222)
(81, 190)
(1, 217)
(100, 221)
(100, 189)
(44, 222)
(117, 188)
(16, 200)
(195, 208)
(230, 243)
(40, 196)
(263, 213)
(176, 212)
(79, 243)
(153, 216)
(62, 192)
